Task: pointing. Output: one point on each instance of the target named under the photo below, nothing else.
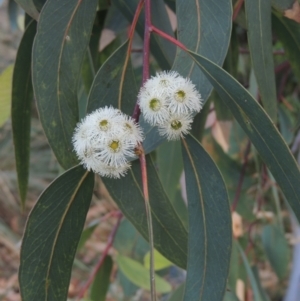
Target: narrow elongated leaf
(51, 236)
(22, 94)
(58, 52)
(209, 244)
(140, 276)
(258, 13)
(177, 295)
(163, 51)
(278, 256)
(39, 4)
(29, 7)
(101, 282)
(170, 236)
(259, 128)
(283, 4)
(204, 26)
(257, 294)
(160, 262)
(288, 31)
(113, 87)
(170, 168)
(230, 296)
(5, 93)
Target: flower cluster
(169, 101)
(105, 140)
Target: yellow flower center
(154, 104)
(176, 125)
(180, 95)
(103, 124)
(114, 145)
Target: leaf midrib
(59, 66)
(203, 214)
(59, 230)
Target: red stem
(147, 33)
(136, 112)
(168, 37)
(237, 9)
(241, 178)
(144, 175)
(146, 55)
(102, 258)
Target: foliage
(239, 171)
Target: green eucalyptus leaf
(277, 249)
(140, 275)
(160, 262)
(129, 242)
(259, 128)
(230, 296)
(288, 32)
(59, 48)
(86, 233)
(113, 85)
(39, 4)
(209, 244)
(170, 236)
(52, 234)
(29, 7)
(283, 5)
(204, 26)
(258, 15)
(170, 167)
(22, 94)
(257, 292)
(286, 123)
(101, 282)
(177, 295)
(115, 20)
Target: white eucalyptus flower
(104, 121)
(164, 82)
(132, 131)
(105, 170)
(184, 98)
(116, 150)
(104, 141)
(153, 106)
(176, 126)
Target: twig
(149, 222)
(102, 258)
(136, 111)
(168, 37)
(236, 9)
